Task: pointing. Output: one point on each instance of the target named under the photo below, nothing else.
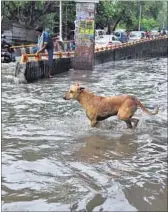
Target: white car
(108, 40)
(136, 35)
(99, 33)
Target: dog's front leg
(92, 117)
(135, 121)
(93, 123)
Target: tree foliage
(28, 13)
(149, 24)
(111, 14)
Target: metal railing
(60, 54)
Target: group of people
(45, 42)
(149, 34)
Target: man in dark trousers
(45, 42)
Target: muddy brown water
(52, 160)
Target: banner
(84, 36)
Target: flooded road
(52, 160)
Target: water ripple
(52, 160)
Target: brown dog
(99, 108)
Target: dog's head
(74, 92)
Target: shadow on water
(98, 148)
(52, 160)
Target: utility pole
(66, 23)
(163, 24)
(60, 21)
(140, 14)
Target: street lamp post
(140, 14)
(60, 20)
(66, 23)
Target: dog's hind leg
(126, 111)
(129, 125)
(135, 121)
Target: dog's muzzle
(64, 97)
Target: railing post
(23, 50)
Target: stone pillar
(84, 35)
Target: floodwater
(52, 160)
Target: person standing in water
(45, 42)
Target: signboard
(84, 36)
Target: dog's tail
(146, 110)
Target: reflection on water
(97, 148)
(52, 160)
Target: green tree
(148, 24)
(111, 14)
(162, 19)
(126, 14)
(28, 13)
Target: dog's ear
(80, 89)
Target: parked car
(113, 40)
(136, 35)
(99, 33)
(107, 40)
(122, 36)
